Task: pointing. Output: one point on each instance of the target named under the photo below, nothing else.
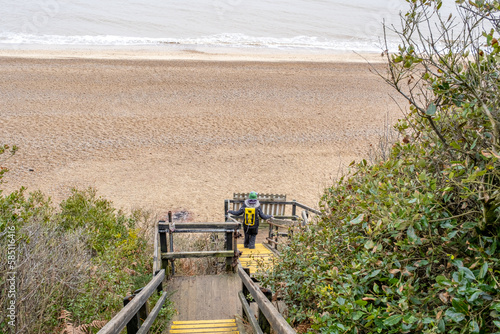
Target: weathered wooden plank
(115, 325)
(204, 298)
(183, 255)
(276, 217)
(278, 323)
(202, 226)
(303, 206)
(152, 316)
(250, 316)
(272, 241)
(203, 231)
(279, 225)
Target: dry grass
(199, 242)
(70, 328)
(52, 265)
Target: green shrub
(79, 261)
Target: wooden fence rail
(135, 310)
(294, 205)
(230, 229)
(269, 317)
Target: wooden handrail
(179, 227)
(184, 255)
(278, 323)
(167, 248)
(249, 313)
(152, 316)
(273, 223)
(300, 205)
(120, 320)
(305, 207)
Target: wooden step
(255, 259)
(222, 326)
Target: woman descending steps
(253, 212)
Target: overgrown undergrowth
(74, 263)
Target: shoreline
(198, 54)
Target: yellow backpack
(249, 216)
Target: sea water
(312, 25)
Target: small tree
(448, 70)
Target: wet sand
(168, 134)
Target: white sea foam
(218, 40)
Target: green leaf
(431, 109)
(441, 279)
(357, 220)
(374, 273)
(357, 315)
(497, 323)
(474, 327)
(393, 320)
(460, 306)
(467, 272)
(455, 145)
(411, 234)
(495, 306)
(453, 315)
(410, 319)
(474, 296)
(369, 244)
(441, 326)
(361, 302)
(483, 271)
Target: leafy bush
(80, 260)
(410, 244)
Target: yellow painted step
(203, 325)
(204, 321)
(205, 331)
(222, 326)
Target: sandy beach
(185, 133)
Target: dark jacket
(258, 213)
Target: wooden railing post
(171, 244)
(134, 323)
(270, 231)
(159, 289)
(263, 322)
(163, 247)
(294, 209)
(244, 288)
(229, 247)
(143, 312)
(277, 234)
(226, 209)
(171, 241)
